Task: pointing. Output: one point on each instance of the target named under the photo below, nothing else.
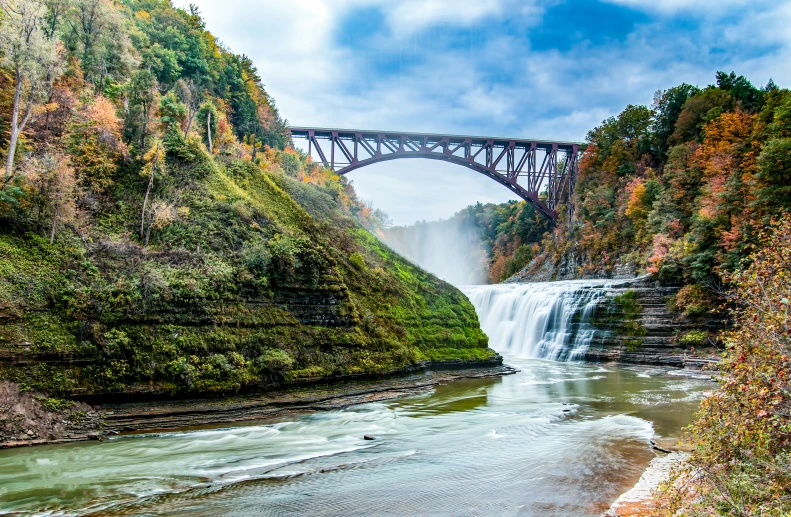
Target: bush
(257, 258)
(694, 338)
(357, 260)
(274, 361)
(56, 404)
(285, 257)
(694, 300)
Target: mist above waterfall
(450, 249)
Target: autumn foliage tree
(95, 145)
(54, 189)
(741, 464)
(32, 59)
(154, 163)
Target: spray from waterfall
(543, 320)
(450, 249)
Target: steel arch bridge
(540, 172)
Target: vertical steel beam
(333, 136)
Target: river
(557, 438)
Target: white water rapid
(549, 320)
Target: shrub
(274, 361)
(357, 260)
(694, 300)
(694, 338)
(257, 258)
(284, 255)
(56, 404)
(742, 433)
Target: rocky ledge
(635, 324)
(30, 418)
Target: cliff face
(248, 289)
(636, 323)
(546, 268)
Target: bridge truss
(540, 172)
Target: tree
(142, 96)
(95, 145)
(741, 89)
(56, 10)
(698, 110)
(54, 186)
(774, 165)
(32, 58)
(741, 436)
(207, 114)
(190, 96)
(103, 44)
(667, 107)
(172, 111)
(154, 161)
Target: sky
(544, 69)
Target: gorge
(203, 312)
(558, 437)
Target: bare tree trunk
(17, 128)
(253, 139)
(208, 131)
(54, 225)
(148, 231)
(9, 166)
(189, 124)
(145, 203)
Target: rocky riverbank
(30, 418)
(640, 500)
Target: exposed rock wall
(546, 268)
(635, 325)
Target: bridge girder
(540, 172)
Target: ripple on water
(489, 446)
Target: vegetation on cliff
(159, 235)
(741, 464)
(683, 188)
(680, 189)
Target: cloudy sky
(549, 69)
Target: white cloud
(409, 16)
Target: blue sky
(543, 69)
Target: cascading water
(549, 320)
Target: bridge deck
(326, 132)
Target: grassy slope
(244, 289)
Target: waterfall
(550, 320)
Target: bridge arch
(528, 168)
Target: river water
(557, 438)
